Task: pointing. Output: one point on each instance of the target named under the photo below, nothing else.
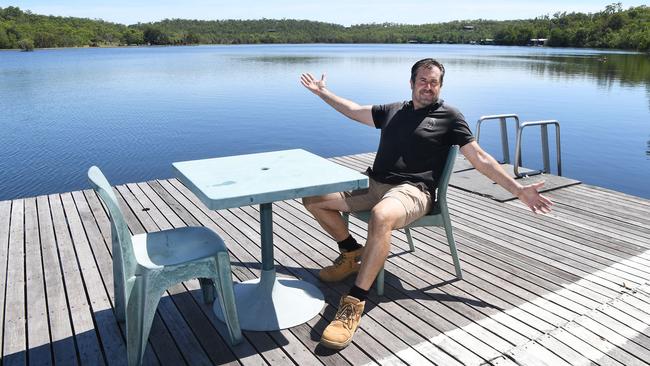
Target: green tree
(26, 44)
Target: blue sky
(344, 12)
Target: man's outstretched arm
(352, 110)
(489, 167)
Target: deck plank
(86, 339)
(38, 334)
(5, 215)
(15, 346)
(60, 326)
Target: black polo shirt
(414, 144)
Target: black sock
(359, 293)
(348, 244)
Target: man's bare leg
(388, 214)
(327, 211)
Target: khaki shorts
(416, 202)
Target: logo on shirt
(430, 122)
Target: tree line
(613, 27)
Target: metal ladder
(503, 118)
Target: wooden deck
(571, 287)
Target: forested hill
(613, 27)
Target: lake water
(134, 111)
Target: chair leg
(207, 287)
(410, 239)
(452, 245)
(120, 307)
(227, 297)
(379, 285)
(118, 288)
(141, 309)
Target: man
(415, 140)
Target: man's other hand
(533, 199)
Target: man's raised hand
(314, 86)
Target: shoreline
(601, 50)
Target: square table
(268, 303)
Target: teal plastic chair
(145, 265)
(439, 216)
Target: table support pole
(266, 230)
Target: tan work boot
(346, 264)
(339, 333)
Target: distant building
(468, 27)
(538, 42)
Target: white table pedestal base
(272, 303)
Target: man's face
(426, 87)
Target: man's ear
(411, 83)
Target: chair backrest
(446, 174)
(124, 262)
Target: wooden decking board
(562, 350)
(584, 347)
(616, 228)
(624, 248)
(161, 205)
(623, 211)
(599, 341)
(15, 341)
(534, 353)
(514, 267)
(104, 321)
(549, 243)
(629, 213)
(591, 194)
(617, 196)
(580, 218)
(38, 333)
(531, 263)
(5, 214)
(630, 271)
(616, 319)
(571, 287)
(518, 278)
(60, 330)
(517, 243)
(616, 333)
(88, 348)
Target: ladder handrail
(504, 132)
(544, 134)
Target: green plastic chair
(439, 216)
(145, 265)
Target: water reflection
(630, 70)
(282, 59)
